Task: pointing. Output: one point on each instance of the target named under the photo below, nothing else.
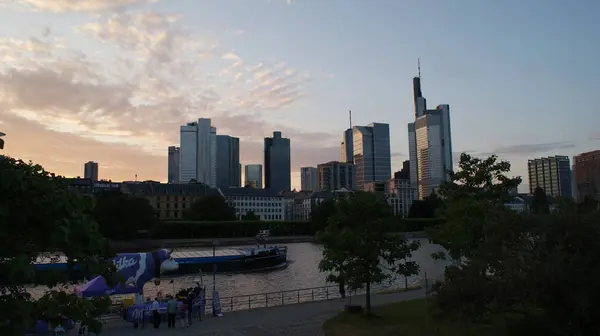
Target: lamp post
(214, 246)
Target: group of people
(182, 307)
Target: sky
(112, 80)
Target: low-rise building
(264, 203)
(169, 200)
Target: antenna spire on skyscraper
(419, 66)
(350, 117)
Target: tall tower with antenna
(347, 146)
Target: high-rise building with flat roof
(335, 175)
(253, 175)
(553, 174)
(278, 169)
(587, 175)
(308, 179)
(173, 165)
(430, 144)
(228, 162)
(372, 155)
(90, 170)
(198, 150)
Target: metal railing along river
(286, 297)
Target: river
(302, 272)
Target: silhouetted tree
(539, 204)
(210, 208)
(425, 208)
(321, 213)
(121, 216)
(250, 216)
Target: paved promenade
(290, 320)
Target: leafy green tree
(425, 208)
(539, 204)
(38, 214)
(121, 216)
(250, 216)
(210, 208)
(474, 198)
(357, 245)
(321, 213)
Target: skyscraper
(173, 165)
(277, 163)
(308, 178)
(430, 144)
(553, 174)
(90, 170)
(372, 156)
(347, 147)
(253, 175)
(198, 149)
(228, 162)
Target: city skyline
(116, 95)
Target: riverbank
(141, 245)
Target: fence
(295, 296)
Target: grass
(407, 318)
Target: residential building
(228, 167)
(90, 170)
(253, 175)
(278, 170)
(372, 157)
(264, 203)
(169, 200)
(430, 144)
(312, 201)
(553, 174)
(308, 178)
(173, 165)
(347, 147)
(89, 186)
(198, 149)
(404, 194)
(335, 175)
(587, 175)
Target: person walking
(155, 313)
(190, 305)
(183, 313)
(342, 284)
(171, 312)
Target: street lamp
(214, 246)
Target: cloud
(526, 149)
(134, 99)
(90, 6)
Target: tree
(321, 213)
(539, 204)
(474, 197)
(250, 216)
(425, 208)
(210, 208)
(121, 216)
(357, 245)
(38, 214)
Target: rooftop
(173, 189)
(236, 191)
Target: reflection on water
(302, 272)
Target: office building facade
(198, 149)
(335, 175)
(553, 174)
(253, 175)
(308, 179)
(277, 163)
(372, 156)
(90, 170)
(587, 175)
(430, 144)
(228, 162)
(173, 165)
(347, 147)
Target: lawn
(407, 318)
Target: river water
(302, 272)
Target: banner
(216, 304)
(143, 312)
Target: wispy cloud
(90, 6)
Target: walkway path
(291, 320)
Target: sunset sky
(111, 80)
